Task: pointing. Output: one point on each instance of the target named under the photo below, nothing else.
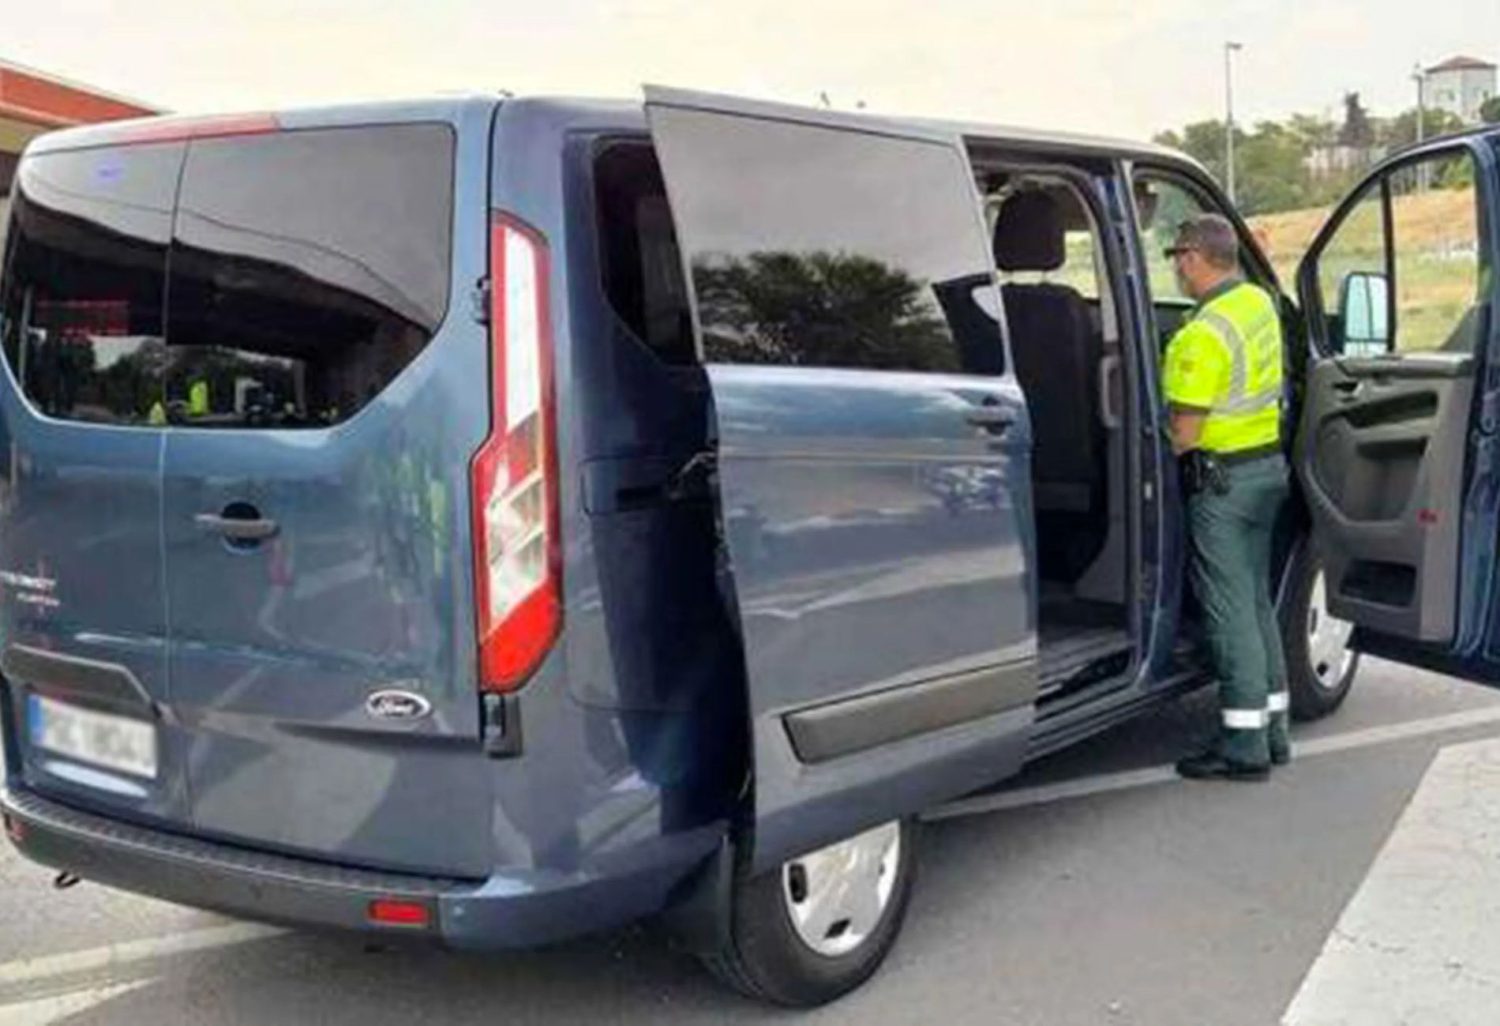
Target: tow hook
(62, 881)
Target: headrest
(1029, 233)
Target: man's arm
(1195, 373)
(1186, 426)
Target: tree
(1272, 170)
(1489, 111)
(1168, 138)
(820, 309)
(1204, 142)
(1270, 163)
(1357, 130)
(1314, 130)
(1401, 130)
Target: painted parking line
(1370, 737)
(111, 956)
(1419, 943)
(41, 1011)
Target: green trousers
(1231, 567)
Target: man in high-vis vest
(1223, 386)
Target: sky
(1128, 68)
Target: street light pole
(1229, 50)
(1421, 122)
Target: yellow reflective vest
(1227, 361)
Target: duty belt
(1259, 452)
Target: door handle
(1348, 390)
(994, 419)
(249, 529)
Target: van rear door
(83, 608)
(326, 380)
(872, 459)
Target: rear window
(307, 269)
(82, 312)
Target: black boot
(1213, 766)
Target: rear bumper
(507, 910)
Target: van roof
(1037, 138)
(446, 107)
(149, 129)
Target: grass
(1436, 273)
(1437, 270)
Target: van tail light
(517, 538)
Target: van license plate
(113, 742)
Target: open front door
(872, 459)
(1397, 446)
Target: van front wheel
(819, 925)
(1320, 664)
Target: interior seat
(1057, 350)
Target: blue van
(488, 521)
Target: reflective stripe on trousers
(1246, 719)
(1277, 703)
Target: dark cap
(1211, 235)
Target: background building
(1459, 85)
(32, 103)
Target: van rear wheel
(1320, 664)
(819, 925)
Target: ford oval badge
(394, 704)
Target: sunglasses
(1173, 252)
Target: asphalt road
(1094, 889)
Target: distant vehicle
(413, 522)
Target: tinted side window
(818, 247)
(81, 315)
(639, 259)
(308, 268)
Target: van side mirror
(1364, 311)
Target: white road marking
(29, 970)
(41, 1011)
(1106, 783)
(1419, 943)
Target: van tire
(764, 957)
(1313, 695)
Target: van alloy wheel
(837, 896)
(817, 926)
(1329, 656)
(1320, 662)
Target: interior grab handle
(1109, 369)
